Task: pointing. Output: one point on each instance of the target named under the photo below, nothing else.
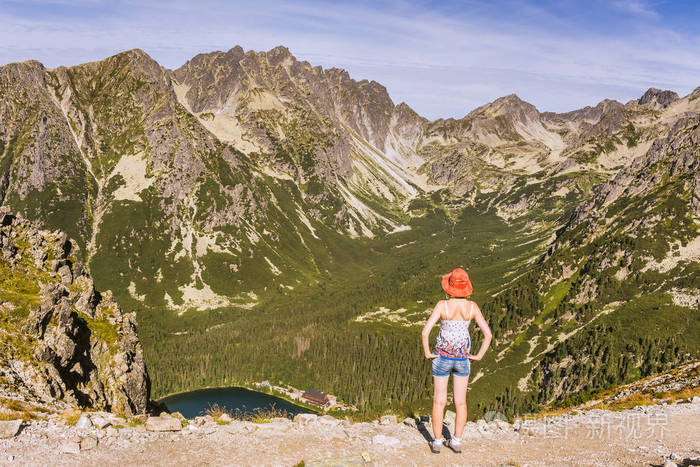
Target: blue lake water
(194, 403)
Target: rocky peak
(590, 115)
(658, 98)
(26, 73)
(510, 106)
(278, 54)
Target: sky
(443, 58)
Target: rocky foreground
(666, 434)
(62, 343)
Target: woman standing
(452, 352)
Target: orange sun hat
(457, 283)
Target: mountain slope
(249, 197)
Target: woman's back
(457, 309)
(453, 340)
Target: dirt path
(641, 436)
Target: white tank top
(453, 340)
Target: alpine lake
(235, 400)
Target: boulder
(471, 432)
(198, 421)
(408, 421)
(517, 424)
(504, 426)
(66, 275)
(303, 419)
(387, 441)
(327, 420)
(9, 429)
(388, 420)
(70, 447)
(83, 422)
(101, 422)
(88, 443)
(163, 422)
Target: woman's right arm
(425, 334)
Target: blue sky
(443, 58)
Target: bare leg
(439, 403)
(460, 393)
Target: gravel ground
(650, 435)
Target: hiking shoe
(454, 444)
(435, 446)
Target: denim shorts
(443, 366)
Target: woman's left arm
(486, 330)
(425, 334)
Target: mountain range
(249, 197)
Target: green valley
(271, 220)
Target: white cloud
(636, 7)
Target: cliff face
(63, 343)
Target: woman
(452, 352)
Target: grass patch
(136, 421)
(628, 402)
(70, 417)
(258, 415)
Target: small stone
(471, 432)
(492, 426)
(388, 441)
(70, 447)
(83, 422)
(388, 420)
(670, 463)
(284, 420)
(163, 422)
(327, 420)
(101, 422)
(303, 419)
(66, 275)
(505, 426)
(198, 421)
(450, 417)
(226, 418)
(695, 400)
(675, 456)
(9, 429)
(408, 421)
(88, 443)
